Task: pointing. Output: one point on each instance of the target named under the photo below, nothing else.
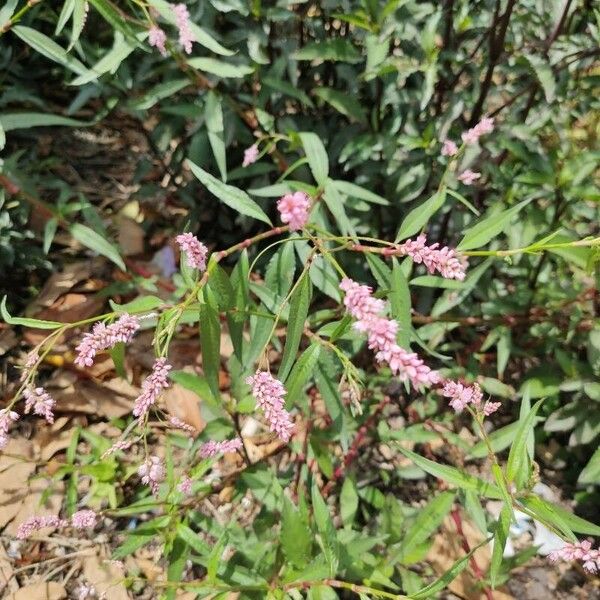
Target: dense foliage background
(96, 126)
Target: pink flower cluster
(82, 519)
(158, 38)
(250, 155)
(445, 260)
(7, 418)
(381, 335)
(185, 485)
(213, 448)
(268, 393)
(449, 148)
(179, 424)
(152, 387)
(152, 473)
(460, 395)
(468, 177)
(40, 401)
(485, 126)
(118, 445)
(182, 20)
(105, 336)
(581, 551)
(294, 209)
(194, 249)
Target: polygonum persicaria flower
(185, 485)
(446, 261)
(86, 591)
(157, 38)
(381, 334)
(84, 519)
(194, 249)
(250, 155)
(268, 393)
(486, 125)
(7, 418)
(580, 551)
(449, 148)
(118, 445)
(491, 407)
(468, 177)
(212, 448)
(40, 401)
(294, 209)
(152, 387)
(179, 424)
(182, 20)
(460, 395)
(152, 473)
(34, 524)
(105, 336)
(359, 301)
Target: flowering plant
(313, 340)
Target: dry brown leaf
(184, 405)
(59, 284)
(105, 577)
(105, 399)
(130, 236)
(14, 475)
(8, 340)
(149, 568)
(49, 590)
(6, 573)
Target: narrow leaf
(94, 241)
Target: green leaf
(219, 67)
(193, 540)
(296, 537)
(220, 284)
(317, 156)
(454, 476)
(117, 353)
(6, 12)
(48, 48)
(591, 471)
(348, 502)
(351, 189)
(65, 15)
(157, 93)
(381, 272)
(343, 102)
(25, 120)
(287, 88)
(335, 203)
(49, 233)
(35, 323)
(326, 529)
(518, 459)
(427, 521)
(213, 114)
(482, 232)
(416, 219)
(139, 305)
(210, 341)
(442, 583)
(299, 303)
(195, 383)
(543, 71)
(95, 242)
(332, 49)
(215, 558)
(400, 303)
(560, 516)
(499, 440)
(230, 195)
(302, 371)
(79, 14)
(236, 320)
(500, 537)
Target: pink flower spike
(250, 155)
(485, 126)
(157, 38)
(358, 300)
(294, 209)
(152, 388)
(449, 148)
(194, 249)
(40, 401)
(182, 20)
(84, 519)
(33, 524)
(491, 407)
(7, 418)
(460, 395)
(103, 337)
(468, 177)
(212, 448)
(152, 473)
(185, 485)
(179, 424)
(268, 393)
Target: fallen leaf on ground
(6, 573)
(105, 577)
(184, 405)
(14, 475)
(49, 590)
